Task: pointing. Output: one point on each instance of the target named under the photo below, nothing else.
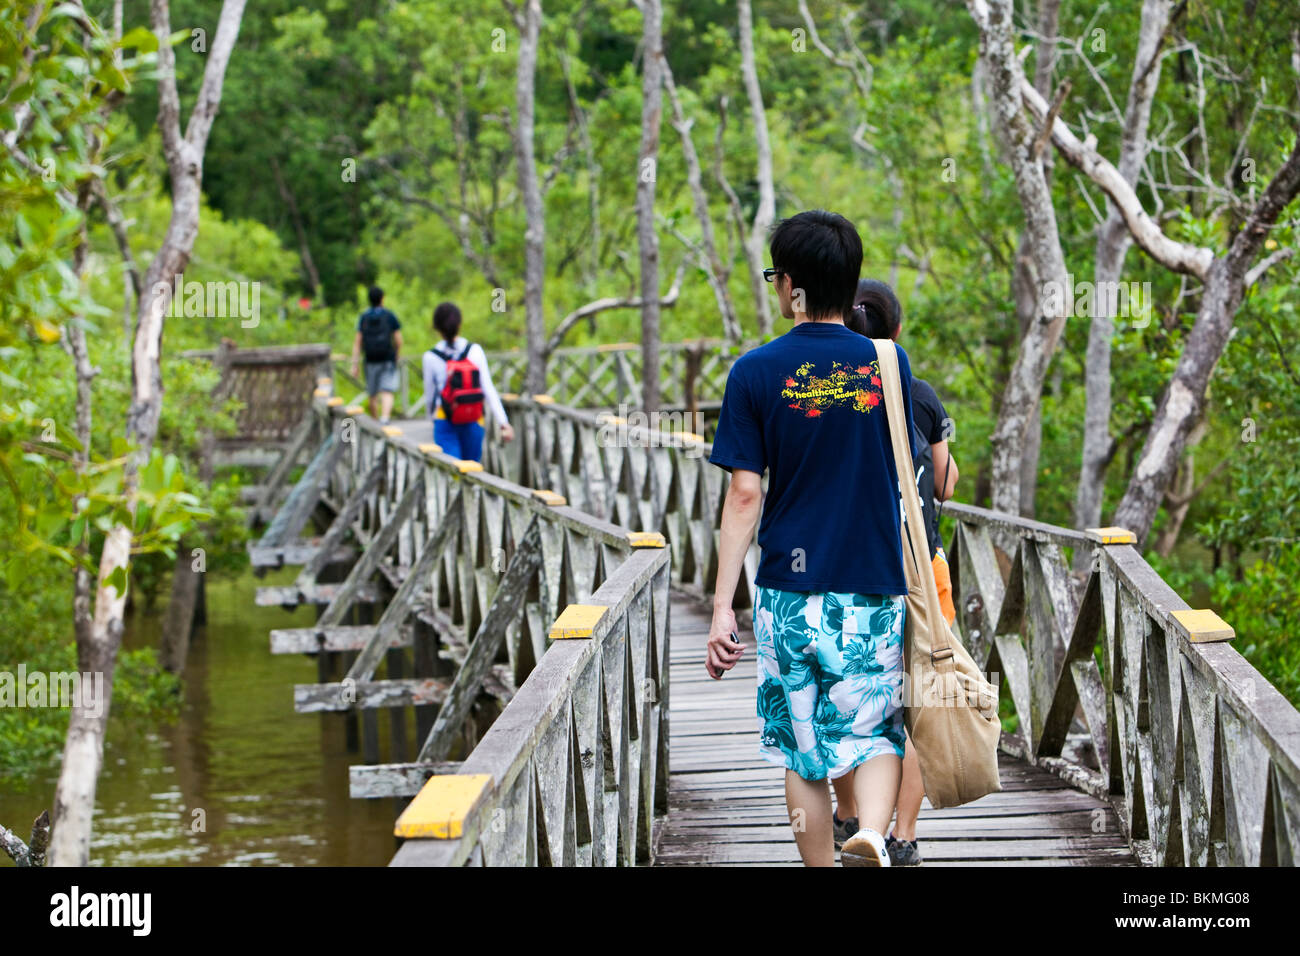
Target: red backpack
(462, 395)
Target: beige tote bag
(950, 709)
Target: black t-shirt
(929, 419)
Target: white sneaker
(864, 848)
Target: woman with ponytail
(877, 314)
(457, 386)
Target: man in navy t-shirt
(808, 409)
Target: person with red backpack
(457, 384)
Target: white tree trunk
(652, 58)
(1183, 402)
(83, 753)
(528, 18)
(1225, 279)
(1025, 384)
(1112, 246)
(715, 272)
(756, 242)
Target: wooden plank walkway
(727, 804)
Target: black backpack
(376, 336)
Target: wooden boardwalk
(727, 804)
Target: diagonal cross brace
(487, 640)
(297, 508)
(340, 526)
(282, 467)
(369, 561)
(403, 602)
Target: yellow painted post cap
(321, 393)
(429, 447)
(1202, 627)
(392, 431)
(1111, 535)
(468, 466)
(543, 399)
(324, 380)
(549, 497)
(334, 402)
(441, 807)
(646, 539)
(690, 436)
(605, 418)
(577, 620)
(509, 396)
(355, 410)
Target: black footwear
(843, 829)
(902, 852)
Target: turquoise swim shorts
(830, 679)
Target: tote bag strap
(887, 357)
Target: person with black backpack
(457, 384)
(378, 336)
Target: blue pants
(460, 441)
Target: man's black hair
(822, 254)
(376, 296)
(876, 313)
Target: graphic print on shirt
(845, 386)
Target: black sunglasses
(770, 274)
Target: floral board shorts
(830, 679)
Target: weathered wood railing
(624, 471)
(480, 566)
(601, 376)
(575, 768)
(1196, 750)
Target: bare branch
(1255, 274)
(1174, 255)
(118, 226)
(610, 302)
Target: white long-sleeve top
(435, 377)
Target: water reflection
(239, 779)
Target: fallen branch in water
(32, 853)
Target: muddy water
(239, 778)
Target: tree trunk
(528, 18)
(1027, 292)
(756, 242)
(304, 248)
(647, 238)
(1025, 384)
(1112, 245)
(83, 752)
(1184, 400)
(715, 272)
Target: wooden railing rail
(601, 376)
(1194, 748)
(574, 769)
(639, 477)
